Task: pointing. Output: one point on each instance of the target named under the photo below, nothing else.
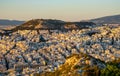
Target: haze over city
(68, 10)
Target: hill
(49, 24)
(10, 22)
(115, 19)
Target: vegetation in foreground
(71, 68)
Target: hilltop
(49, 24)
(115, 19)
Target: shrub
(110, 70)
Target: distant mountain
(49, 24)
(10, 22)
(115, 19)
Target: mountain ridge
(10, 22)
(113, 19)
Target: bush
(110, 70)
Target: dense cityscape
(31, 52)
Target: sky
(67, 10)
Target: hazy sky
(68, 10)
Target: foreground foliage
(70, 69)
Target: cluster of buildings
(25, 52)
